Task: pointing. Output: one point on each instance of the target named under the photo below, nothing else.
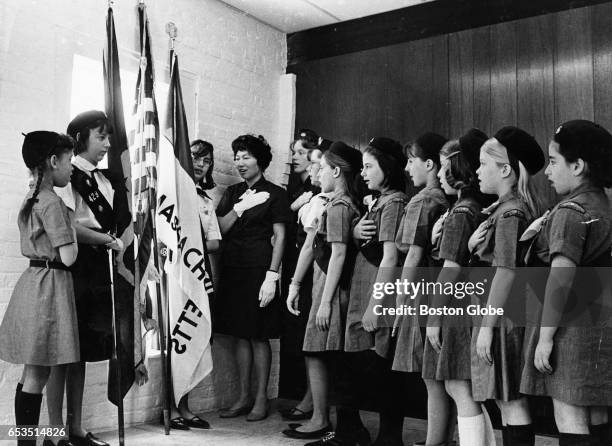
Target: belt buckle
(47, 261)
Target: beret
(349, 154)
(522, 146)
(430, 144)
(470, 144)
(583, 135)
(389, 147)
(84, 120)
(308, 135)
(324, 144)
(37, 146)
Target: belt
(50, 264)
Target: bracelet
(295, 282)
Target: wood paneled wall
(535, 73)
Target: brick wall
(232, 63)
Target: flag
(119, 170)
(144, 139)
(179, 229)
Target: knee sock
(603, 433)
(17, 397)
(519, 435)
(28, 413)
(472, 431)
(348, 422)
(577, 440)
(390, 428)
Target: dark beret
(84, 120)
(308, 135)
(37, 146)
(389, 147)
(349, 154)
(324, 144)
(582, 135)
(470, 144)
(430, 144)
(522, 146)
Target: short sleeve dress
(453, 361)
(387, 213)
(420, 215)
(245, 257)
(579, 228)
(334, 227)
(40, 323)
(508, 219)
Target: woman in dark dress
(300, 191)
(251, 214)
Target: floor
(238, 432)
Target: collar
(506, 197)
(257, 183)
(582, 189)
(83, 164)
(201, 192)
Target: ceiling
(290, 16)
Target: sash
(87, 187)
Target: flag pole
(162, 301)
(164, 340)
(111, 265)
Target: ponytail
(528, 192)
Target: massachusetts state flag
(178, 228)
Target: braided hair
(64, 144)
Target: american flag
(144, 140)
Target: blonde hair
(524, 185)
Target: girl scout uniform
(335, 225)
(90, 195)
(579, 227)
(453, 361)
(415, 228)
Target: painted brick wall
(232, 62)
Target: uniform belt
(50, 264)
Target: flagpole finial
(172, 32)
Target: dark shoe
(330, 439)
(294, 426)
(88, 440)
(233, 413)
(292, 433)
(295, 414)
(178, 423)
(197, 422)
(62, 442)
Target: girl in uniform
(251, 213)
(333, 253)
(507, 162)
(572, 364)
(39, 328)
(447, 351)
(414, 239)
(90, 195)
(367, 339)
